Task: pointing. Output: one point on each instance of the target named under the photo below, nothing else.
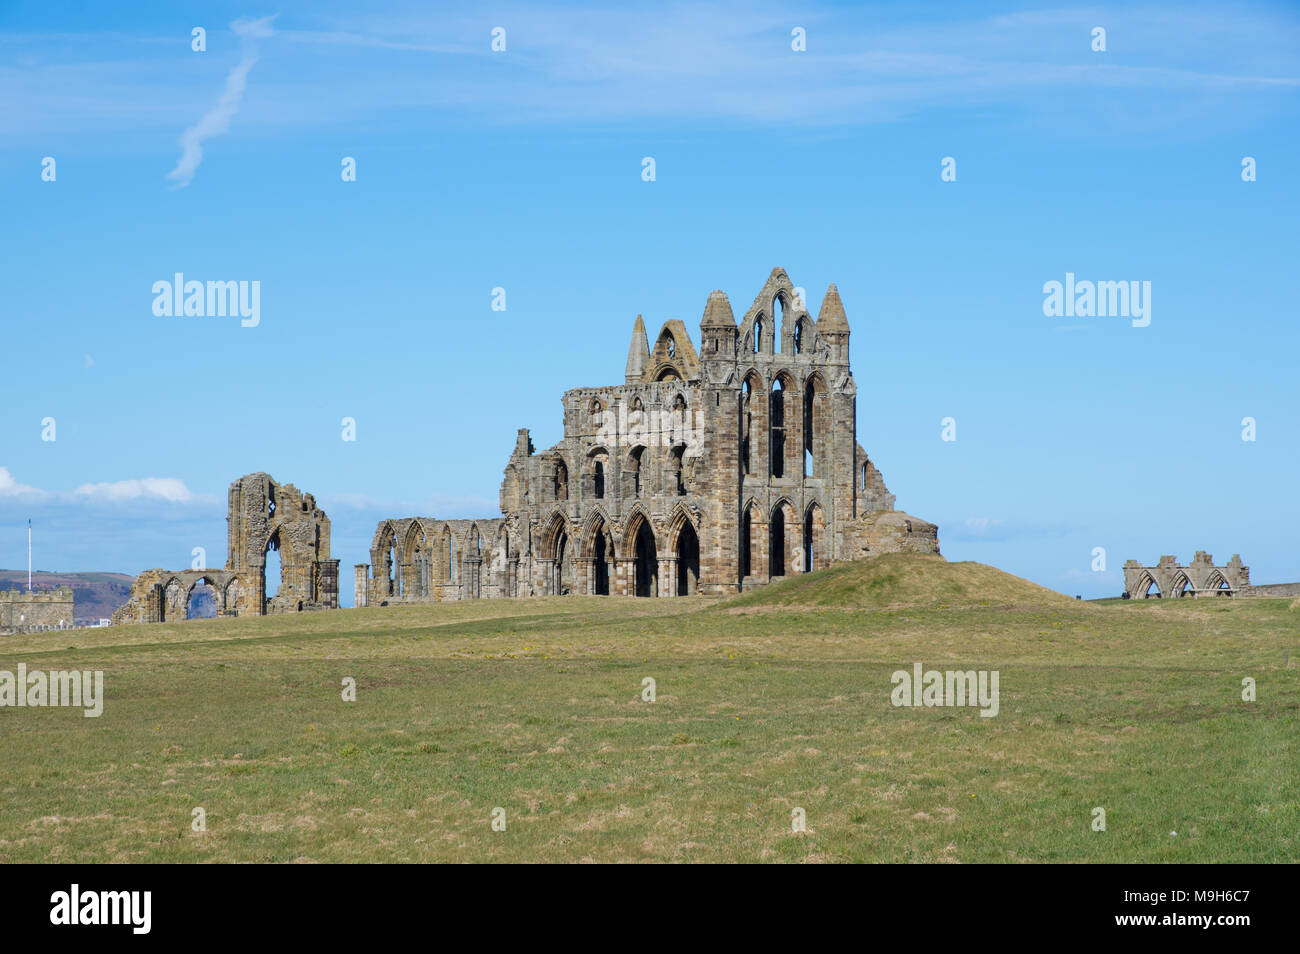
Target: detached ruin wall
(263, 516)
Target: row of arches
(638, 560)
(767, 547)
(1180, 586)
(782, 430)
(412, 560)
(768, 332)
(632, 560)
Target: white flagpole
(29, 554)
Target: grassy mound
(895, 580)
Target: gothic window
(634, 469)
(778, 429)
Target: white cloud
(11, 488)
(254, 29)
(151, 488)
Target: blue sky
(522, 170)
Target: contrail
(217, 120)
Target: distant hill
(896, 580)
(96, 594)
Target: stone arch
(598, 471)
(814, 538)
(783, 403)
(559, 478)
(383, 553)
(550, 526)
(1181, 585)
(173, 596)
(804, 336)
(501, 569)
(557, 554)
(636, 472)
(597, 545)
(1217, 584)
(273, 545)
(416, 561)
(208, 604)
(781, 529)
(816, 425)
(442, 561)
(753, 423)
(1142, 590)
(751, 540)
(232, 597)
(642, 547)
(780, 315)
(684, 544)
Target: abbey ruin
(709, 471)
(1169, 578)
(263, 517)
(1198, 578)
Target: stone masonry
(263, 516)
(1198, 578)
(23, 611)
(709, 471)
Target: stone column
(361, 584)
(668, 576)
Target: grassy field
(765, 703)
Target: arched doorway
(202, 600)
(747, 543)
(563, 565)
(776, 552)
(272, 570)
(601, 553)
(688, 560)
(646, 563)
(1145, 588)
(813, 533)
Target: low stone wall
(890, 531)
(1274, 589)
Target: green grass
(765, 703)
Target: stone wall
(262, 516)
(1198, 578)
(23, 611)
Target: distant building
(1201, 577)
(24, 611)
